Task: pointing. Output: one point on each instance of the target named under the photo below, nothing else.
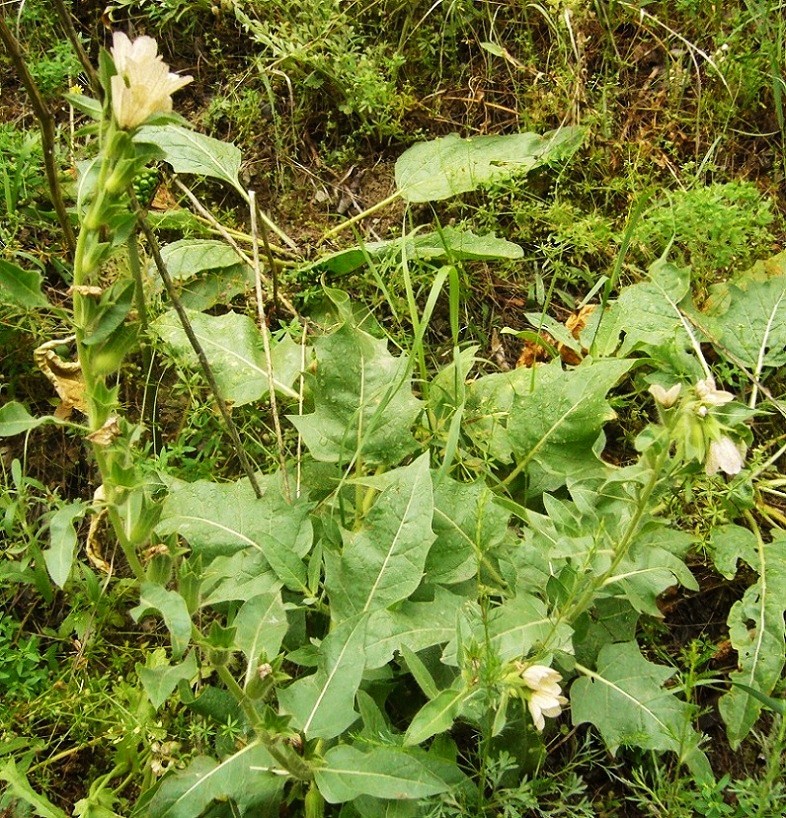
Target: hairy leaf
(19, 287)
(322, 705)
(382, 772)
(15, 419)
(363, 401)
(234, 348)
(250, 778)
(172, 607)
(557, 422)
(469, 525)
(59, 557)
(159, 678)
(757, 634)
(450, 165)
(21, 789)
(260, 627)
(626, 701)
(383, 562)
(192, 152)
(219, 519)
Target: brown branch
(46, 125)
(66, 20)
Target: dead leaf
(107, 434)
(65, 376)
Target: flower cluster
(700, 435)
(143, 85)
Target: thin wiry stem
(46, 124)
(265, 330)
(207, 370)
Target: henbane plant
(452, 549)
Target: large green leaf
(15, 419)
(512, 629)
(383, 562)
(449, 243)
(219, 519)
(626, 701)
(363, 401)
(450, 165)
(644, 314)
(19, 287)
(250, 778)
(437, 715)
(21, 789)
(260, 627)
(192, 152)
(753, 328)
(173, 610)
(187, 257)
(59, 557)
(469, 525)
(414, 625)
(234, 348)
(322, 704)
(382, 772)
(757, 634)
(557, 422)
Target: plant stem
(46, 124)
(339, 228)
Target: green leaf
(757, 634)
(556, 423)
(192, 152)
(159, 678)
(383, 562)
(363, 401)
(411, 625)
(59, 557)
(382, 772)
(260, 627)
(449, 243)
(728, 545)
(240, 576)
(172, 608)
(627, 703)
(234, 348)
(219, 519)
(187, 257)
(322, 705)
(15, 419)
(645, 313)
(753, 328)
(468, 525)
(450, 165)
(19, 287)
(250, 778)
(21, 789)
(438, 715)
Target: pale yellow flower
(708, 393)
(143, 85)
(665, 397)
(724, 455)
(546, 698)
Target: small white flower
(724, 455)
(710, 394)
(665, 397)
(143, 85)
(546, 699)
